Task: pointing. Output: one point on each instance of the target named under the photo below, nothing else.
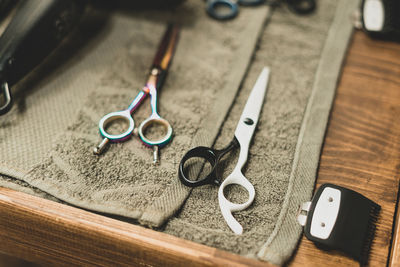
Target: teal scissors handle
(157, 75)
(126, 115)
(227, 9)
(153, 120)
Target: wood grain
(54, 234)
(395, 252)
(362, 145)
(361, 151)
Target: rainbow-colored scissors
(156, 78)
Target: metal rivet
(248, 121)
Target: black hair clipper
(342, 219)
(380, 18)
(36, 29)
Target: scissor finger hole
(117, 126)
(155, 132)
(236, 193)
(222, 9)
(197, 168)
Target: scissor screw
(248, 121)
(155, 72)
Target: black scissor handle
(201, 152)
(212, 156)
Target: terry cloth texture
(47, 140)
(304, 53)
(305, 56)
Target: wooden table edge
(140, 245)
(394, 260)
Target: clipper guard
(342, 219)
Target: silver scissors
(228, 9)
(243, 135)
(156, 78)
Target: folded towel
(305, 55)
(48, 144)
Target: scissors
(227, 9)
(156, 78)
(243, 135)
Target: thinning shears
(243, 135)
(156, 78)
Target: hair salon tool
(342, 219)
(155, 80)
(242, 138)
(380, 18)
(227, 9)
(36, 29)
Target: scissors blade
(166, 47)
(251, 112)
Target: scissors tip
(265, 71)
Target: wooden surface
(362, 145)
(361, 151)
(395, 251)
(54, 234)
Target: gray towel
(305, 56)
(48, 141)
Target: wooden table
(361, 151)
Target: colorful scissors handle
(154, 120)
(113, 116)
(222, 9)
(227, 9)
(125, 115)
